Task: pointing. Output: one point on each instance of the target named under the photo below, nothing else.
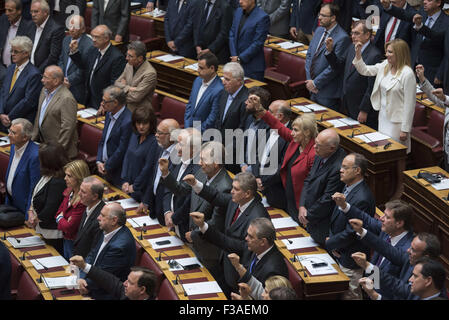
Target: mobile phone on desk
(161, 243)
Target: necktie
(164, 155)
(179, 5)
(345, 191)
(379, 260)
(95, 65)
(391, 30)
(316, 54)
(237, 212)
(428, 24)
(206, 11)
(14, 78)
(253, 264)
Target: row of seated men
(315, 168)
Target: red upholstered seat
(172, 108)
(4, 161)
(419, 118)
(166, 291)
(89, 138)
(27, 289)
(143, 30)
(147, 261)
(16, 273)
(268, 53)
(156, 103)
(295, 280)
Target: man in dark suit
(21, 176)
(154, 194)
(211, 30)
(302, 20)
(323, 180)
(242, 206)
(140, 285)
(20, 91)
(176, 206)
(232, 113)
(103, 64)
(427, 280)
(115, 250)
(323, 82)
(394, 228)
(342, 240)
(356, 91)
(91, 195)
(113, 13)
(391, 28)
(66, 8)
(178, 30)
(12, 24)
(116, 133)
(267, 166)
(430, 23)
(204, 97)
(213, 174)
(46, 35)
(247, 37)
(74, 77)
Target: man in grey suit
(113, 13)
(324, 83)
(74, 77)
(279, 13)
(213, 174)
(242, 206)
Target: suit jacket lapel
(52, 102)
(24, 159)
(103, 59)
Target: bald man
(56, 116)
(315, 204)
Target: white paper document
(280, 223)
(174, 242)
(126, 203)
(32, 241)
(184, 262)
(4, 141)
(139, 221)
(289, 44)
(61, 282)
(193, 67)
(442, 185)
(372, 137)
(87, 113)
(201, 288)
(317, 266)
(319, 257)
(300, 243)
(338, 123)
(49, 262)
(169, 57)
(302, 51)
(310, 107)
(155, 13)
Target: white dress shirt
(12, 32)
(18, 153)
(37, 37)
(204, 86)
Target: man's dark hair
(334, 8)
(434, 269)
(147, 279)
(17, 3)
(433, 247)
(263, 94)
(360, 162)
(139, 48)
(210, 58)
(402, 211)
(283, 293)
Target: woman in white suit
(394, 90)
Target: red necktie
(237, 212)
(391, 30)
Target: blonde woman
(394, 90)
(68, 216)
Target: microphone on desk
(387, 145)
(151, 54)
(45, 267)
(372, 141)
(321, 118)
(160, 256)
(289, 241)
(177, 280)
(352, 134)
(142, 230)
(12, 236)
(23, 256)
(183, 64)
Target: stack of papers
(174, 242)
(87, 113)
(126, 203)
(345, 122)
(184, 262)
(300, 243)
(32, 241)
(280, 223)
(201, 288)
(169, 57)
(310, 108)
(4, 141)
(442, 185)
(302, 51)
(310, 262)
(193, 67)
(372, 137)
(50, 262)
(289, 44)
(139, 221)
(155, 13)
(69, 282)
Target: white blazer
(401, 95)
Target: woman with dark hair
(47, 194)
(141, 154)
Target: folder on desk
(174, 242)
(317, 266)
(372, 137)
(50, 262)
(69, 282)
(288, 44)
(32, 241)
(126, 203)
(193, 67)
(4, 141)
(139, 221)
(442, 185)
(169, 57)
(300, 243)
(87, 113)
(313, 107)
(344, 122)
(287, 222)
(202, 288)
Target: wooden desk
(431, 210)
(158, 22)
(174, 78)
(382, 173)
(97, 122)
(315, 287)
(272, 42)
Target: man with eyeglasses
(323, 82)
(20, 91)
(342, 240)
(115, 137)
(356, 91)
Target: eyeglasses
(324, 15)
(107, 101)
(16, 51)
